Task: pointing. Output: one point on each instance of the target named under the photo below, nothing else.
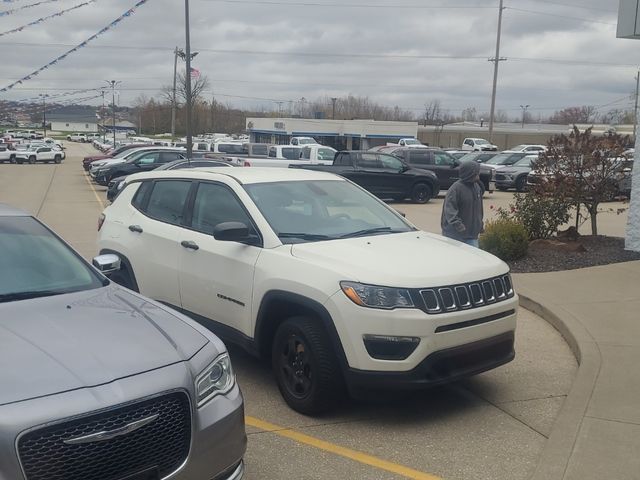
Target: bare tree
(583, 169)
(573, 115)
(432, 112)
(198, 86)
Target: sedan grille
(467, 295)
(72, 451)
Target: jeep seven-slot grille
(467, 295)
(159, 447)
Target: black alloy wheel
(12, 159)
(421, 193)
(305, 366)
(58, 159)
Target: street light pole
(524, 112)
(173, 97)
(112, 84)
(104, 130)
(496, 63)
(188, 78)
(44, 114)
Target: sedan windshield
(319, 210)
(39, 263)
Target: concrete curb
(556, 455)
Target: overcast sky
(335, 47)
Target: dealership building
(340, 134)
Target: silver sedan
(99, 382)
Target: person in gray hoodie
(462, 212)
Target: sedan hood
(107, 163)
(66, 342)
(412, 260)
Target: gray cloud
(300, 31)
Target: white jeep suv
(311, 271)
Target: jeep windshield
(35, 263)
(311, 211)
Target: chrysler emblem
(110, 434)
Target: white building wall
(74, 127)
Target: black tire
(12, 159)
(306, 366)
(57, 159)
(32, 159)
(421, 193)
(521, 183)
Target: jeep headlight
(373, 296)
(217, 379)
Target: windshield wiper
(305, 236)
(371, 231)
(10, 297)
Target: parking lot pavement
(491, 427)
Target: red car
(86, 162)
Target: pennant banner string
(40, 20)
(23, 7)
(126, 14)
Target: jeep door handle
(135, 228)
(190, 245)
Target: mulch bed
(600, 251)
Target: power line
(346, 5)
(377, 56)
(574, 5)
(522, 10)
(42, 19)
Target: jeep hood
(66, 342)
(412, 260)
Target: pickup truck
(386, 176)
(44, 154)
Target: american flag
(195, 73)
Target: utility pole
(173, 97)
(635, 116)
(112, 84)
(333, 102)
(188, 78)
(524, 113)
(496, 61)
(44, 114)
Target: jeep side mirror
(231, 232)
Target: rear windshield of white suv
(303, 211)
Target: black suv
(142, 162)
(444, 165)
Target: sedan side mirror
(107, 264)
(231, 232)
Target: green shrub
(540, 215)
(505, 238)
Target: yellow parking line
(338, 450)
(95, 192)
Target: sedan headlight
(373, 296)
(217, 379)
